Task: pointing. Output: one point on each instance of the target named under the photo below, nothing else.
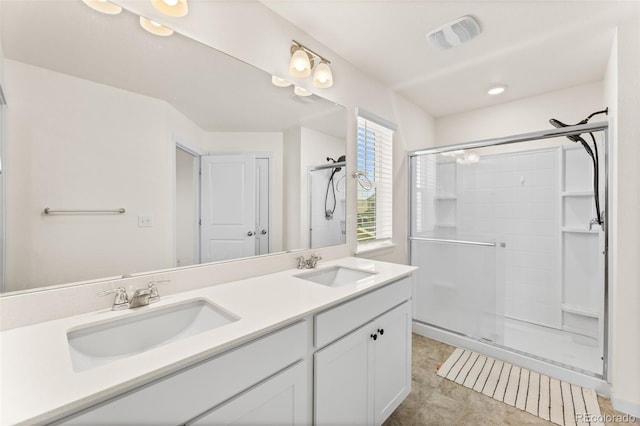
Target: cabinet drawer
(192, 391)
(339, 321)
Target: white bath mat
(550, 399)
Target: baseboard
(631, 408)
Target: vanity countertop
(39, 384)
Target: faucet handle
(302, 263)
(121, 300)
(154, 296)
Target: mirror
(102, 115)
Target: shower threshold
(538, 364)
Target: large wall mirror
(208, 160)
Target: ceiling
(214, 90)
(533, 46)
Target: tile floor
(438, 401)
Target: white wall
(622, 91)
(83, 154)
(525, 115)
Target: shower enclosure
(510, 257)
(327, 205)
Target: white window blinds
(375, 162)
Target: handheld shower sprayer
(595, 160)
(328, 212)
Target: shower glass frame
(528, 137)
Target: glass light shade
(103, 6)
(175, 8)
(301, 91)
(280, 82)
(322, 77)
(300, 66)
(154, 28)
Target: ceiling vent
(454, 33)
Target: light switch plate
(145, 221)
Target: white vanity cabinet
(227, 386)
(281, 400)
(362, 377)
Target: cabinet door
(344, 380)
(392, 358)
(281, 401)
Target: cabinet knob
(374, 336)
(381, 331)
(250, 233)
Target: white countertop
(38, 382)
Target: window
(375, 189)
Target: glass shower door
(460, 283)
(508, 250)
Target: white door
(263, 231)
(392, 360)
(281, 401)
(227, 207)
(344, 380)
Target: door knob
(263, 232)
(250, 233)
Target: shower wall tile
(522, 190)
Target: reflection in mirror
(209, 160)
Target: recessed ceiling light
(496, 90)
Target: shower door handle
(250, 233)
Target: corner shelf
(579, 230)
(577, 194)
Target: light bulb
(175, 8)
(103, 6)
(322, 77)
(280, 82)
(155, 28)
(300, 66)
(301, 91)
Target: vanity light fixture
(103, 6)
(301, 91)
(496, 90)
(280, 82)
(175, 8)
(302, 61)
(154, 28)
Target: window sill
(371, 248)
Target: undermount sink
(99, 344)
(336, 276)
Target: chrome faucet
(308, 263)
(141, 297)
(121, 300)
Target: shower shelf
(577, 194)
(580, 230)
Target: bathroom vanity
(319, 346)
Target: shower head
(339, 160)
(558, 124)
